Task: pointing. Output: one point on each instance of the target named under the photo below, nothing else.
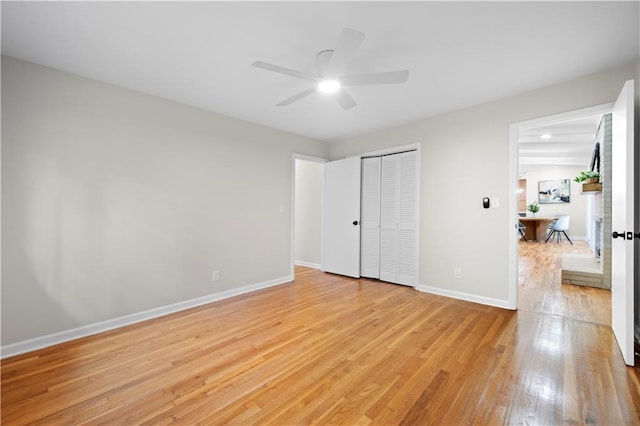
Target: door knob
(355, 222)
(618, 234)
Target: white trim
(100, 327)
(392, 150)
(555, 118)
(308, 264)
(304, 157)
(512, 214)
(309, 158)
(467, 297)
(514, 130)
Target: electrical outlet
(457, 273)
(215, 275)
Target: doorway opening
(548, 153)
(307, 193)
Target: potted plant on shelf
(587, 177)
(590, 181)
(534, 208)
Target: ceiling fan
(330, 68)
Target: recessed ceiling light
(329, 86)
(545, 136)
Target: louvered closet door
(370, 219)
(407, 220)
(389, 219)
(398, 245)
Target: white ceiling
(570, 144)
(459, 53)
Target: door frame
(514, 155)
(310, 158)
(417, 146)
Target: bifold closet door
(407, 219)
(398, 245)
(389, 219)
(370, 218)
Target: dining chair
(550, 227)
(522, 229)
(558, 226)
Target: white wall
(577, 208)
(116, 202)
(308, 213)
(465, 157)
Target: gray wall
(116, 202)
(465, 157)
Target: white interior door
(622, 250)
(370, 218)
(341, 238)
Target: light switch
(495, 202)
(281, 208)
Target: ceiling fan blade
(348, 44)
(344, 99)
(322, 62)
(390, 77)
(297, 97)
(283, 70)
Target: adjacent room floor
(332, 350)
(540, 288)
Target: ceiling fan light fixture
(328, 86)
(334, 63)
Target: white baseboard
(99, 327)
(307, 264)
(499, 303)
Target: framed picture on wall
(554, 191)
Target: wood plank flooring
(540, 287)
(330, 350)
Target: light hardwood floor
(540, 288)
(330, 350)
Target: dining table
(536, 227)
